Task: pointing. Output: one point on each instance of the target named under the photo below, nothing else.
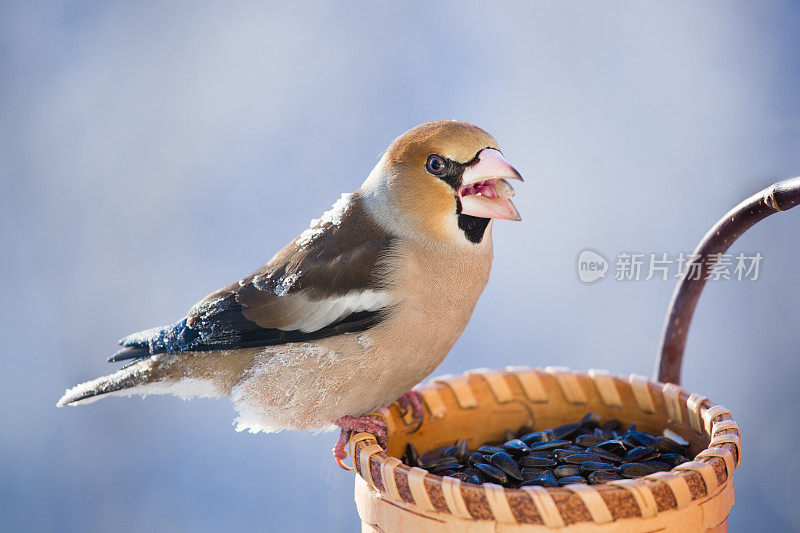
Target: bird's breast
(435, 290)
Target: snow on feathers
(331, 217)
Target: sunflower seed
(632, 470)
(546, 479)
(538, 462)
(568, 431)
(549, 445)
(588, 441)
(579, 458)
(462, 450)
(642, 439)
(594, 466)
(504, 462)
(411, 457)
(536, 436)
(567, 471)
(640, 453)
(667, 445)
(531, 473)
(609, 457)
(492, 473)
(658, 466)
(571, 480)
(489, 450)
(440, 463)
(600, 476)
(550, 454)
(614, 446)
(516, 447)
(672, 459)
(475, 457)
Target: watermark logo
(591, 266)
(631, 266)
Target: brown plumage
(353, 312)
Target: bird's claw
(340, 449)
(412, 400)
(352, 424)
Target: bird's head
(442, 181)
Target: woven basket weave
(480, 405)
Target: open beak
(484, 191)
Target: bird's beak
(484, 191)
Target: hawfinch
(351, 314)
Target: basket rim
(707, 474)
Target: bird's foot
(412, 399)
(352, 424)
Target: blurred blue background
(153, 152)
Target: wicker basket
(480, 405)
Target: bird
(351, 314)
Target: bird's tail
(186, 375)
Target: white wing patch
(326, 312)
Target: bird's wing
(331, 279)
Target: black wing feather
(181, 338)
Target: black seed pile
(583, 452)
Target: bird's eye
(436, 165)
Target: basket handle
(780, 196)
